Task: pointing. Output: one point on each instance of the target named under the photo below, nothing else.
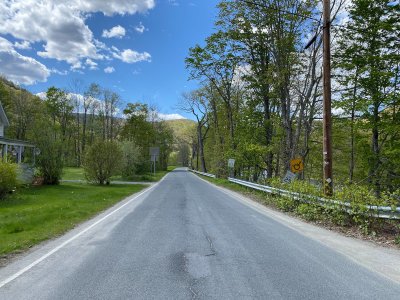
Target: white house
(14, 150)
(17, 151)
(3, 121)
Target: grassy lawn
(148, 177)
(35, 214)
(72, 173)
(232, 186)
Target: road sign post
(231, 166)
(154, 155)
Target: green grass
(259, 196)
(226, 183)
(35, 214)
(148, 177)
(73, 173)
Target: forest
(82, 125)
(259, 99)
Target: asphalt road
(185, 239)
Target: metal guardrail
(383, 212)
(202, 173)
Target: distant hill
(10, 93)
(21, 107)
(10, 85)
(183, 129)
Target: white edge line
(39, 260)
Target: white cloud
(58, 72)
(18, 68)
(42, 95)
(22, 69)
(109, 70)
(115, 32)
(130, 56)
(22, 45)
(60, 25)
(167, 117)
(5, 45)
(140, 28)
(91, 64)
(77, 66)
(63, 30)
(112, 7)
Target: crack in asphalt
(194, 294)
(210, 243)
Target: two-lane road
(185, 239)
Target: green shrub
(102, 160)
(8, 178)
(131, 159)
(336, 215)
(50, 160)
(309, 212)
(286, 204)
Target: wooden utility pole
(327, 148)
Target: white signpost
(231, 163)
(154, 155)
(231, 166)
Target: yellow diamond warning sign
(296, 165)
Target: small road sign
(231, 163)
(154, 151)
(289, 177)
(296, 165)
(154, 154)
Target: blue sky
(134, 47)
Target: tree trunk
(84, 130)
(375, 150)
(201, 149)
(352, 137)
(352, 150)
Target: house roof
(5, 141)
(3, 117)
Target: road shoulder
(385, 261)
(19, 263)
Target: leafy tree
(196, 103)
(218, 63)
(131, 158)
(60, 108)
(102, 161)
(145, 130)
(50, 161)
(370, 57)
(89, 100)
